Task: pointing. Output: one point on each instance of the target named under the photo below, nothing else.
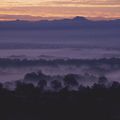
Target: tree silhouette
(102, 80)
(56, 85)
(42, 84)
(31, 76)
(70, 80)
(115, 85)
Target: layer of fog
(75, 53)
(90, 37)
(13, 73)
(50, 44)
(82, 43)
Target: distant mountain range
(75, 23)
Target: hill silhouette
(75, 23)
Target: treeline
(27, 102)
(71, 81)
(7, 62)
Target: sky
(56, 9)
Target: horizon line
(57, 18)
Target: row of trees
(71, 81)
(7, 62)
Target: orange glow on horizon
(49, 9)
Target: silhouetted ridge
(75, 23)
(78, 18)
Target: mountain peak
(79, 18)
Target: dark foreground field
(29, 103)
